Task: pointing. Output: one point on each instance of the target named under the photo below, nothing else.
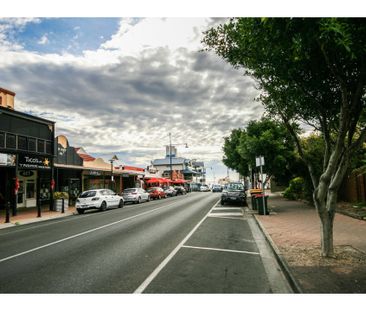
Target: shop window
(22, 143)
(10, 141)
(2, 140)
(31, 189)
(40, 146)
(32, 144)
(48, 147)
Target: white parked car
(135, 195)
(204, 188)
(98, 199)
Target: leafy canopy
(264, 137)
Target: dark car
(234, 192)
(156, 193)
(180, 190)
(216, 188)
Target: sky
(121, 85)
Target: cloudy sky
(120, 85)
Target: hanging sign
(7, 159)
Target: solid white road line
(221, 250)
(157, 270)
(225, 214)
(227, 208)
(82, 233)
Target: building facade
(26, 157)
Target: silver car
(98, 199)
(135, 195)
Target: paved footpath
(30, 216)
(295, 227)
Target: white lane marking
(82, 233)
(227, 208)
(161, 266)
(224, 217)
(221, 250)
(225, 214)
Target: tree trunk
(327, 220)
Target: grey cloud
(146, 97)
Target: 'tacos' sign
(33, 162)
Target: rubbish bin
(262, 210)
(254, 203)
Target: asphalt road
(175, 245)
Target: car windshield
(88, 194)
(129, 190)
(235, 187)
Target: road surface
(185, 244)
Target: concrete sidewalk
(294, 227)
(27, 216)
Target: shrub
(295, 190)
(60, 195)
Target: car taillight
(95, 199)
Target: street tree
(265, 137)
(270, 139)
(232, 157)
(310, 71)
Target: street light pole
(170, 156)
(114, 158)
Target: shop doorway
(27, 192)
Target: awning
(153, 180)
(179, 181)
(158, 180)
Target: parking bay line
(221, 250)
(161, 266)
(81, 234)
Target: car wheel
(103, 207)
(139, 201)
(80, 211)
(121, 203)
(222, 202)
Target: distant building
(178, 168)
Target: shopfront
(94, 179)
(68, 169)
(7, 179)
(26, 160)
(34, 180)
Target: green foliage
(60, 195)
(310, 71)
(264, 137)
(296, 189)
(232, 158)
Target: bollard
(63, 206)
(38, 210)
(7, 213)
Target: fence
(353, 188)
